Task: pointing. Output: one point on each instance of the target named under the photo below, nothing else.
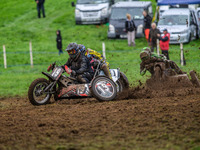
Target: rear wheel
(36, 93)
(124, 80)
(120, 85)
(104, 89)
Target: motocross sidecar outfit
(61, 86)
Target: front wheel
(104, 89)
(36, 93)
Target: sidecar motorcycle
(65, 87)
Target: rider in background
(79, 64)
(149, 58)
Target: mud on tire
(33, 93)
(124, 81)
(103, 89)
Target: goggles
(72, 51)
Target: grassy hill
(19, 25)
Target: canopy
(174, 2)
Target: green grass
(19, 25)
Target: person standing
(147, 24)
(59, 42)
(130, 29)
(164, 43)
(40, 5)
(154, 31)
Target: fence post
(158, 46)
(31, 54)
(4, 56)
(182, 55)
(104, 50)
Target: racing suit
(94, 56)
(82, 68)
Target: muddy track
(144, 120)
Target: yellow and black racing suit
(104, 64)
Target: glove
(73, 73)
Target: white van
(118, 17)
(92, 11)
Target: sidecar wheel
(35, 93)
(104, 89)
(120, 85)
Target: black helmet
(73, 50)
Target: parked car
(181, 23)
(92, 11)
(197, 13)
(163, 8)
(118, 17)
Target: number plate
(123, 36)
(56, 72)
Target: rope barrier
(108, 51)
(111, 63)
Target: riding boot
(82, 79)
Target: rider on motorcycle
(95, 58)
(79, 64)
(149, 58)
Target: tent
(174, 2)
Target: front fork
(50, 88)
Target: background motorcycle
(161, 72)
(61, 86)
